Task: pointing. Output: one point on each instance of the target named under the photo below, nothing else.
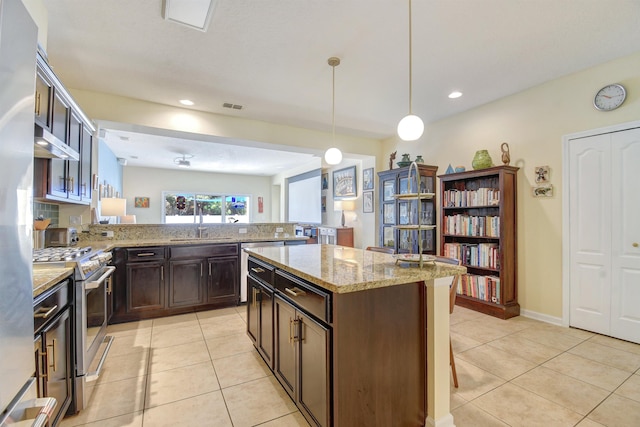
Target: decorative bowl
(403, 164)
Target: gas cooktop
(60, 254)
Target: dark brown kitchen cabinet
(159, 281)
(223, 283)
(57, 179)
(186, 282)
(145, 287)
(53, 347)
(302, 360)
(260, 291)
(44, 92)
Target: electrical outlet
(75, 220)
(242, 230)
(107, 234)
(279, 229)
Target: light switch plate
(242, 230)
(279, 229)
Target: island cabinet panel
(302, 363)
(346, 359)
(260, 308)
(379, 373)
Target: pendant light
(333, 156)
(411, 126)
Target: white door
(625, 235)
(590, 211)
(604, 211)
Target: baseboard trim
(446, 421)
(541, 317)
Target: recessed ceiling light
(186, 102)
(455, 94)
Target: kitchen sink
(198, 239)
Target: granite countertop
(341, 270)
(46, 278)
(107, 245)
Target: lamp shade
(348, 205)
(410, 128)
(333, 156)
(111, 206)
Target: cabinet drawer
(145, 254)
(203, 251)
(304, 295)
(261, 270)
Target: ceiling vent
(195, 14)
(232, 106)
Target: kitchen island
(384, 329)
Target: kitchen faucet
(200, 227)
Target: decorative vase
(419, 159)
(482, 160)
(506, 156)
(405, 161)
(449, 169)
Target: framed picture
(141, 202)
(388, 213)
(367, 201)
(389, 190)
(344, 183)
(325, 181)
(542, 174)
(323, 203)
(367, 179)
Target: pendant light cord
(410, 63)
(333, 103)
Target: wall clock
(610, 97)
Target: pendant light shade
(333, 156)
(410, 127)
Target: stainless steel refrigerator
(18, 44)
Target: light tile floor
(201, 370)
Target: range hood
(48, 146)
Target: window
(187, 208)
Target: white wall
(151, 182)
(532, 123)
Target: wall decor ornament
(460, 168)
(405, 161)
(482, 160)
(392, 157)
(449, 169)
(506, 156)
(544, 190)
(542, 174)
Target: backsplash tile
(47, 210)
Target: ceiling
(270, 56)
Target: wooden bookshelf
(478, 226)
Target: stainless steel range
(92, 276)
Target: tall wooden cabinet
(478, 226)
(395, 211)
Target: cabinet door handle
(84, 188)
(37, 104)
(47, 313)
(257, 269)
(144, 254)
(209, 269)
(162, 273)
(296, 292)
(53, 355)
(201, 271)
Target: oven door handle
(95, 284)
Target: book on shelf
(468, 225)
(483, 255)
(470, 198)
(485, 288)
